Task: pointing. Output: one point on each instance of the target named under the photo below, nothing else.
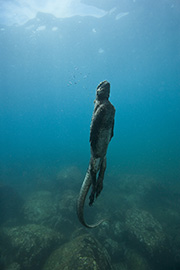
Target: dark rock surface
(57, 211)
(66, 219)
(39, 208)
(10, 205)
(83, 252)
(29, 245)
(13, 266)
(147, 234)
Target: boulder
(13, 266)
(10, 205)
(29, 245)
(66, 219)
(57, 211)
(83, 252)
(40, 208)
(147, 235)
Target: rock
(40, 208)
(13, 266)
(118, 229)
(82, 253)
(136, 261)
(112, 247)
(67, 202)
(112, 236)
(66, 205)
(57, 211)
(29, 245)
(175, 241)
(111, 241)
(133, 189)
(69, 178)
(10, 205)
(120, 266)
(147, 234)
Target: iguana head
(103, 90)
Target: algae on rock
(83, 252)
(29, 245)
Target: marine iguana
(101, 132)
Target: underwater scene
(60, 207)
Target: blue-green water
(49, 70)
(48, 81)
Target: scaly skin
(101, 132)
